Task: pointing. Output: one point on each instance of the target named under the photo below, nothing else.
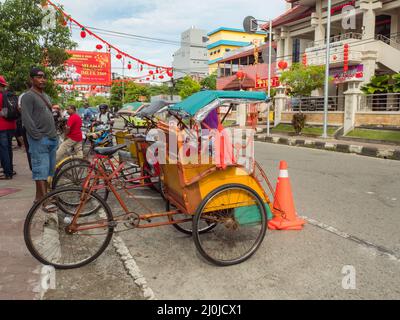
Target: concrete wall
(316, 118)
(377, 118)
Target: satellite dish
(250, 24)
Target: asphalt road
(352, 204)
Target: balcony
(316, 52)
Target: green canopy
(130, 108)
(199, 100)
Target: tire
(229, 226)
(186, 227)
(56, 238)
(69, 171)
(64, 165)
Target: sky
(165, 19)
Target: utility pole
(269, 76)
(328, 56)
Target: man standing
(88, 114)
(38, 121)
(73, 132)
(7, 131)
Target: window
(296, 50)
(227, 50)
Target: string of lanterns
(64, 18)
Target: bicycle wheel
(65, 164)
(186, 227)
(46, 233)
(241, 220)
(74, 176)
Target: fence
(305, 104)
(387, 102)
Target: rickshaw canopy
(153, 108)
(211, 99)
(131, 109)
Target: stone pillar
(394, 27)
(351, 104)
(369, 59)
(288, 51)
(280, 102)
(369, 17)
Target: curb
(391, 154)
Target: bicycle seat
(109, 151)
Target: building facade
(191, 58)
(223, 40)
(370, 29)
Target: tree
(210, 82)
(302, 80)
(187, 86)
(25, 43)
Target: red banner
(87, 68)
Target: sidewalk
(19, 272)
(377, 150)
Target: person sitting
(73, 131)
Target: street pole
(123, 80)
(328, 56)
(269, 76)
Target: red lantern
(99, 47)
(147, 79)
(161, 77)
(170, 73)
(282, 65)
(141, 67)
(119, 56)
(129, 66)
(83, 33)
(151, 72)
(346, 58)
(240, 75)
(304, 59)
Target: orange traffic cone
(285, 216)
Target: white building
(191, 59)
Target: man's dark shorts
(43, 157)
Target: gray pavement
(355, 203)
(352, 204)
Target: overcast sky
(164, 19)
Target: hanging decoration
(151, 72)
(346, 57)
(304, 59)
(119, 56)
(85, 32)
(282, 65)
(161, 77)
(240, 75)
(129, 65)
(99, 47)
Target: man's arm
(26, 115)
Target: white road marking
(391, 255)
(132, 268)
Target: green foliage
(25, 43)
(302, 80)
(187, 86)
(298, 122)
(210, 82)
(94, 101)
(134, 91)
(378, 84)
(396, 83)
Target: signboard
(340, 7)
(87, 68)
(263, 83)
(354, 72)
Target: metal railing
(386, 102)
(338, 38)
(315, 104)
(388, 41)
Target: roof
(228, 43)
(131, 108)
(296, 13)
(151, 109)
(200, 100)
(246, 53)
(228, 29)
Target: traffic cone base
(285, 215)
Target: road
(352, 204)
